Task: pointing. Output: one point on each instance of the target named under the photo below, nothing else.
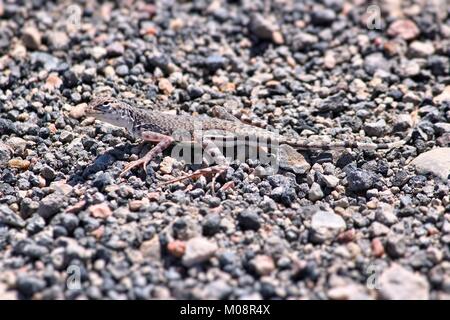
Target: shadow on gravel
(101, 163)
(258, 48)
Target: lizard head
(110, 110)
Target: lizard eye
(105, 106)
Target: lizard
(165, 129)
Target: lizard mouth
(100, 106)
(90, 112)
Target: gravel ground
(357, 225)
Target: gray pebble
(359, 180)
(10, 218)
(50, 205)
(29, 285)
(376, 129)
(315, 192)
(48, 173)
(122, 70)
(249, 220)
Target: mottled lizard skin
(184, 127)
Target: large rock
(398, 283)
(326, 225)
(265, 28)
(436, 162)
(290, 159)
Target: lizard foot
(215, 170)
(164, 142)
(140, 162)
(227, 186)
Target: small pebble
(100, 210)
(198, 250)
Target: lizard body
(165, 129)
(137, 121)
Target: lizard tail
(308, 145)
(318, 145)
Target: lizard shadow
(258, 47)
(102, 162)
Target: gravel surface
(356, 225)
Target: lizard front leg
(163, 142)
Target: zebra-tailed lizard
(164, 129)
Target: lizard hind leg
(215, 170)
(163, 142)
(213, 151)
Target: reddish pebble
(42, 182)
(377, 248)
(176, 248)
(98, 233)
(150, 9)
(52, 128)
(135, 205)
(53, 82)
(150, 31)
(77, 207)
(100, 210)
(347, 236)
(405, 29)
(263, 265)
